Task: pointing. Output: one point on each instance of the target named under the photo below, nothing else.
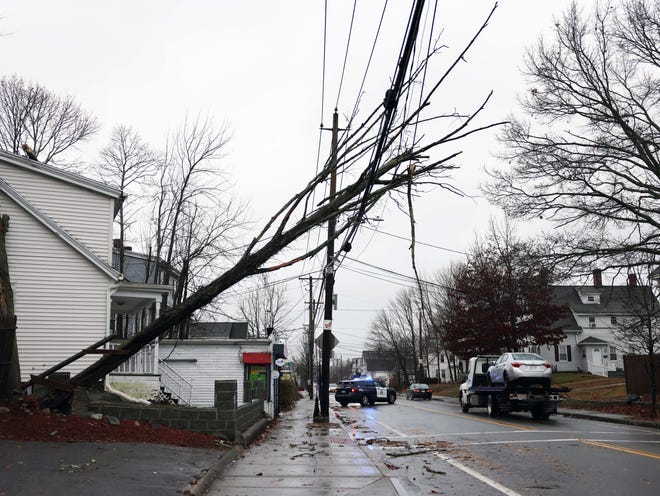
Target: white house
(59, 248)
(591, 343)
(220, 351)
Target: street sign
(333, 341)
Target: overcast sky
(256, 67)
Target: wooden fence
(637, 376)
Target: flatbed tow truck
(539, 399)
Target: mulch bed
(37, 425)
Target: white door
(597, 356)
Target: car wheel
(343, 403)
(493, 407)
(391, 398)
(464, 406)
(364, 401)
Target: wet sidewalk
(298, 457)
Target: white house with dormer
(591, 343)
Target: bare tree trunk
(10, 376)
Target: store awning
(257, 358)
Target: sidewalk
(298, 457)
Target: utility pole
(329, 280)
(310, 339)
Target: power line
(416, 242)
(348, 44)
(397, 274)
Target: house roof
(135, 266)
(215, 330)
(55, 228)
(592, 340)
(614, 300)
(378, 361)
(63, 175)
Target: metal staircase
(173, 385)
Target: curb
(204, 482)
(253, 431)
(611, 420)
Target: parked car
(365, 391)
(419, 390)
(521, 368)
(332, 388)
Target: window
(590, 298)
(443, 374)
(563, 356)
(563, 353)
(592, 322)
(535, 349)
(613, 353)
(613, 320)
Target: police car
(365, 391)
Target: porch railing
(143, 362)
(597, 369)
(174, 383)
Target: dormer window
(589, 298)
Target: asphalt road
(100, 469)
(431, 447)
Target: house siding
(215, 360)
(61, 299)
(84, 214)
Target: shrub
(288, 393)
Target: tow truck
(539, 399)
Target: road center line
(621, 448)
(477, 475)
(463, 416)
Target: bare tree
(588, 158)
(375, 162)
(396, 330)
(125, 164)
(195, 215)
(48, 124)
(387, 337)
(641, 332)
(266, 309)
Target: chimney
(632, 280)
(598, 278)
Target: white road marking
(477, 475)
(388, 427)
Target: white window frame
(563, 352)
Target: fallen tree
(398, 164)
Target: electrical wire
(371, 54)
(417, 242)
(348, 44)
